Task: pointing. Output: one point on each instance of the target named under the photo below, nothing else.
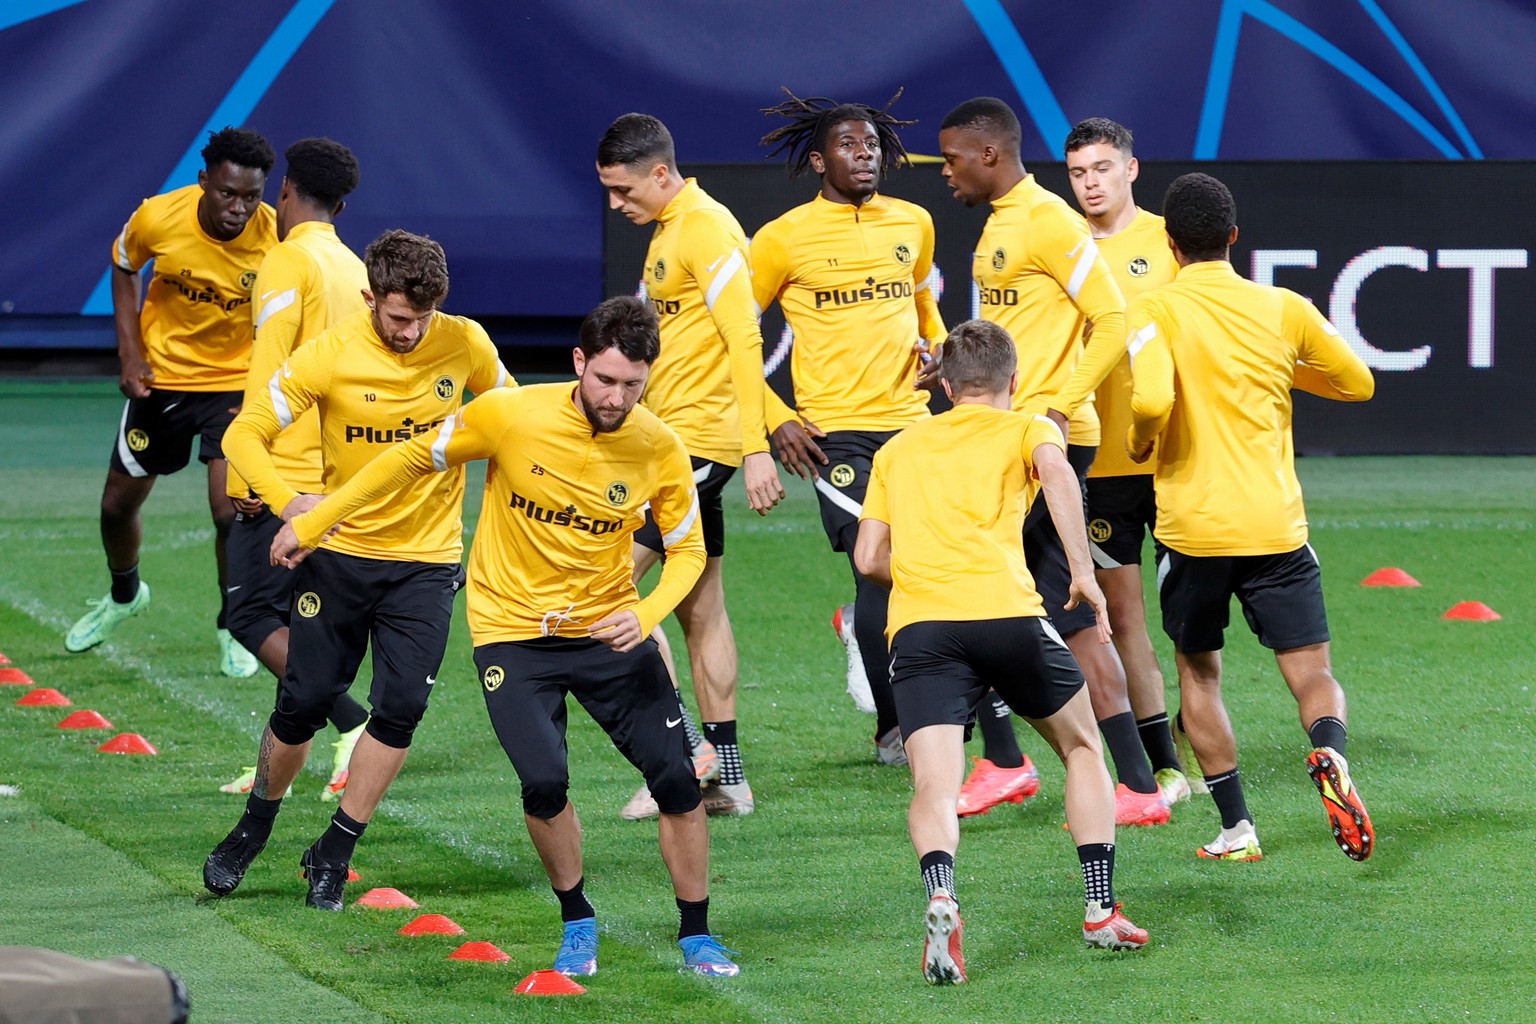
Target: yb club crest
(494, 677)
(1099, 531)
(444, 387)
(137, 439)
(308, 604)
(903, 254)
(618, 493)
(1138, 267)
(247, 280)
(659, 272)
(842, 475)
(999, 258)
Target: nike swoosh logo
(431, 680)
(672, 723)
(287, 373)
(172, 406)
(231, 590)
(711, 268)
(1075, 250)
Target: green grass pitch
(101, 855)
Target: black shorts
(1281, 595)
(940, 671)
(1122, 510)
(156, 433)
(844, 479)
(257, 594)
(1047, 559)
(710, 479)
(630, 695)
(340, 602)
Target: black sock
(574, 905)
(1098, 861)
(693, 918)
(1157, 740)
(1227, 791)
(1327, 732)
(341, 838)
(938, 870)
(347, 714)
(723, 736)
(259, 815)
(689, 727)
(125, 585)
(1124, 745)
(999, 743)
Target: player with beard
(553, 608)
(395, 370)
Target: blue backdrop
(477, 123)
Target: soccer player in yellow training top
(1214, 359)
(398, 369)
(850, 272)
(708, 386)
(1039, 275)
(942, 527)
(553, 608)
(1122, 510)
(184, 357)
(309, 281)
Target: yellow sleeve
(1040, 430)
(716, 261)
(676, 508)
(770, 265)
(488, 372)
(1091, 286)
(1151, 376)
(875, 505)
(473, 433)
(277, 314)
(1327, 366)
(134, 245)
(269, 409)
(775, 412)
(930, 324)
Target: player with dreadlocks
(850, 272)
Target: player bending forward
(942, 526)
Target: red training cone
(43, 697)
(127, 743)
(548, 983)
(386, 899)
(85, 720)
(353, 876)
(483, 951)
(14, 677)
(1389, 578)
(1472, 611)
(3, 659)
(432, 924)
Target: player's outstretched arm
(1064, 499)
(1327, 366)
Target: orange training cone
(14, 677)
(127, 743)
(1389, 578)
(386, 899)
(3, 659)
(352, 875)
(483, 951)
(85, 720)
(548, 983)
(432, 924)
(1472, 611)
(43, 697)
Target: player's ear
(579, 360)
(818, 163)
(1232, 237)
(1132, 169)
(1013, 383)
(948, 391)
(368, 297)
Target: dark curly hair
(239, 146)
(322, 170)
(1200, 215)
(625, 323)
(812, 118)
(400, 263)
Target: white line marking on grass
(10, 791)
